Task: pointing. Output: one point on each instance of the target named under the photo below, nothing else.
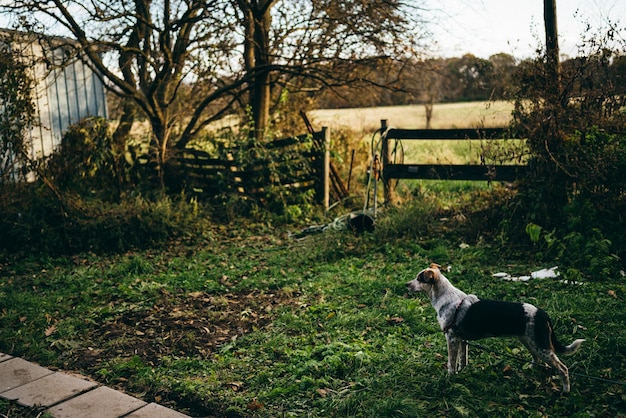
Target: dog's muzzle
(413, 285)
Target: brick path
(66, 396)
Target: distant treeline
(468, 78)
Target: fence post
(385, 158)
(326, 169)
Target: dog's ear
(435, 266)
(429, 275)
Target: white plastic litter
(550, 273)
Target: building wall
(63, 96)
(65, 92)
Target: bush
(16, 115)
(573, 201)
(85, 162)
(37, 221)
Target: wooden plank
(339, 188)
(446, 134)
(453, 172)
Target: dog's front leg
(463, 353)
(453, 352)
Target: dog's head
(425, 279)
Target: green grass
(253, 324)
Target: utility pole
(552, 50)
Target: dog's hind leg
(532, 349)
(547, 356)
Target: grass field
(251, 323)
(447, 115)
(362, 123)
(242, 320)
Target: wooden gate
(391, 170)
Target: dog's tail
(542, 317)
(567, 349)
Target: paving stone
(49, 390)
(17, 372)
(154, 410)
(102, 402)
(29, 384)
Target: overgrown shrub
(85, 162)
(575, 194)
(16, 114)
(37, 221)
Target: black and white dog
(464, 317)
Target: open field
(363, 122)
(251, 323)
(447, 115)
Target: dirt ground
(197, 323)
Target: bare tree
(222, 53)
(432, 77)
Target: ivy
(17, 112)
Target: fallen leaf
(50, 330)
(395, 320)
(255, 405)
(235, 386)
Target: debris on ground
(547, 273)
(357, 222)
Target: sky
(487, 27)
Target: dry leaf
(255, 405)
(50, 330)
(395, 320)
(235, 386)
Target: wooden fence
(300, 163)
(393, 170)
(303, 163)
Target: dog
(464, 317)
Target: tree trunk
(428, 106)
(160, 133)
(258, 21)
(120, 137)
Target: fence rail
(391, 171)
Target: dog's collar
(452, 322)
